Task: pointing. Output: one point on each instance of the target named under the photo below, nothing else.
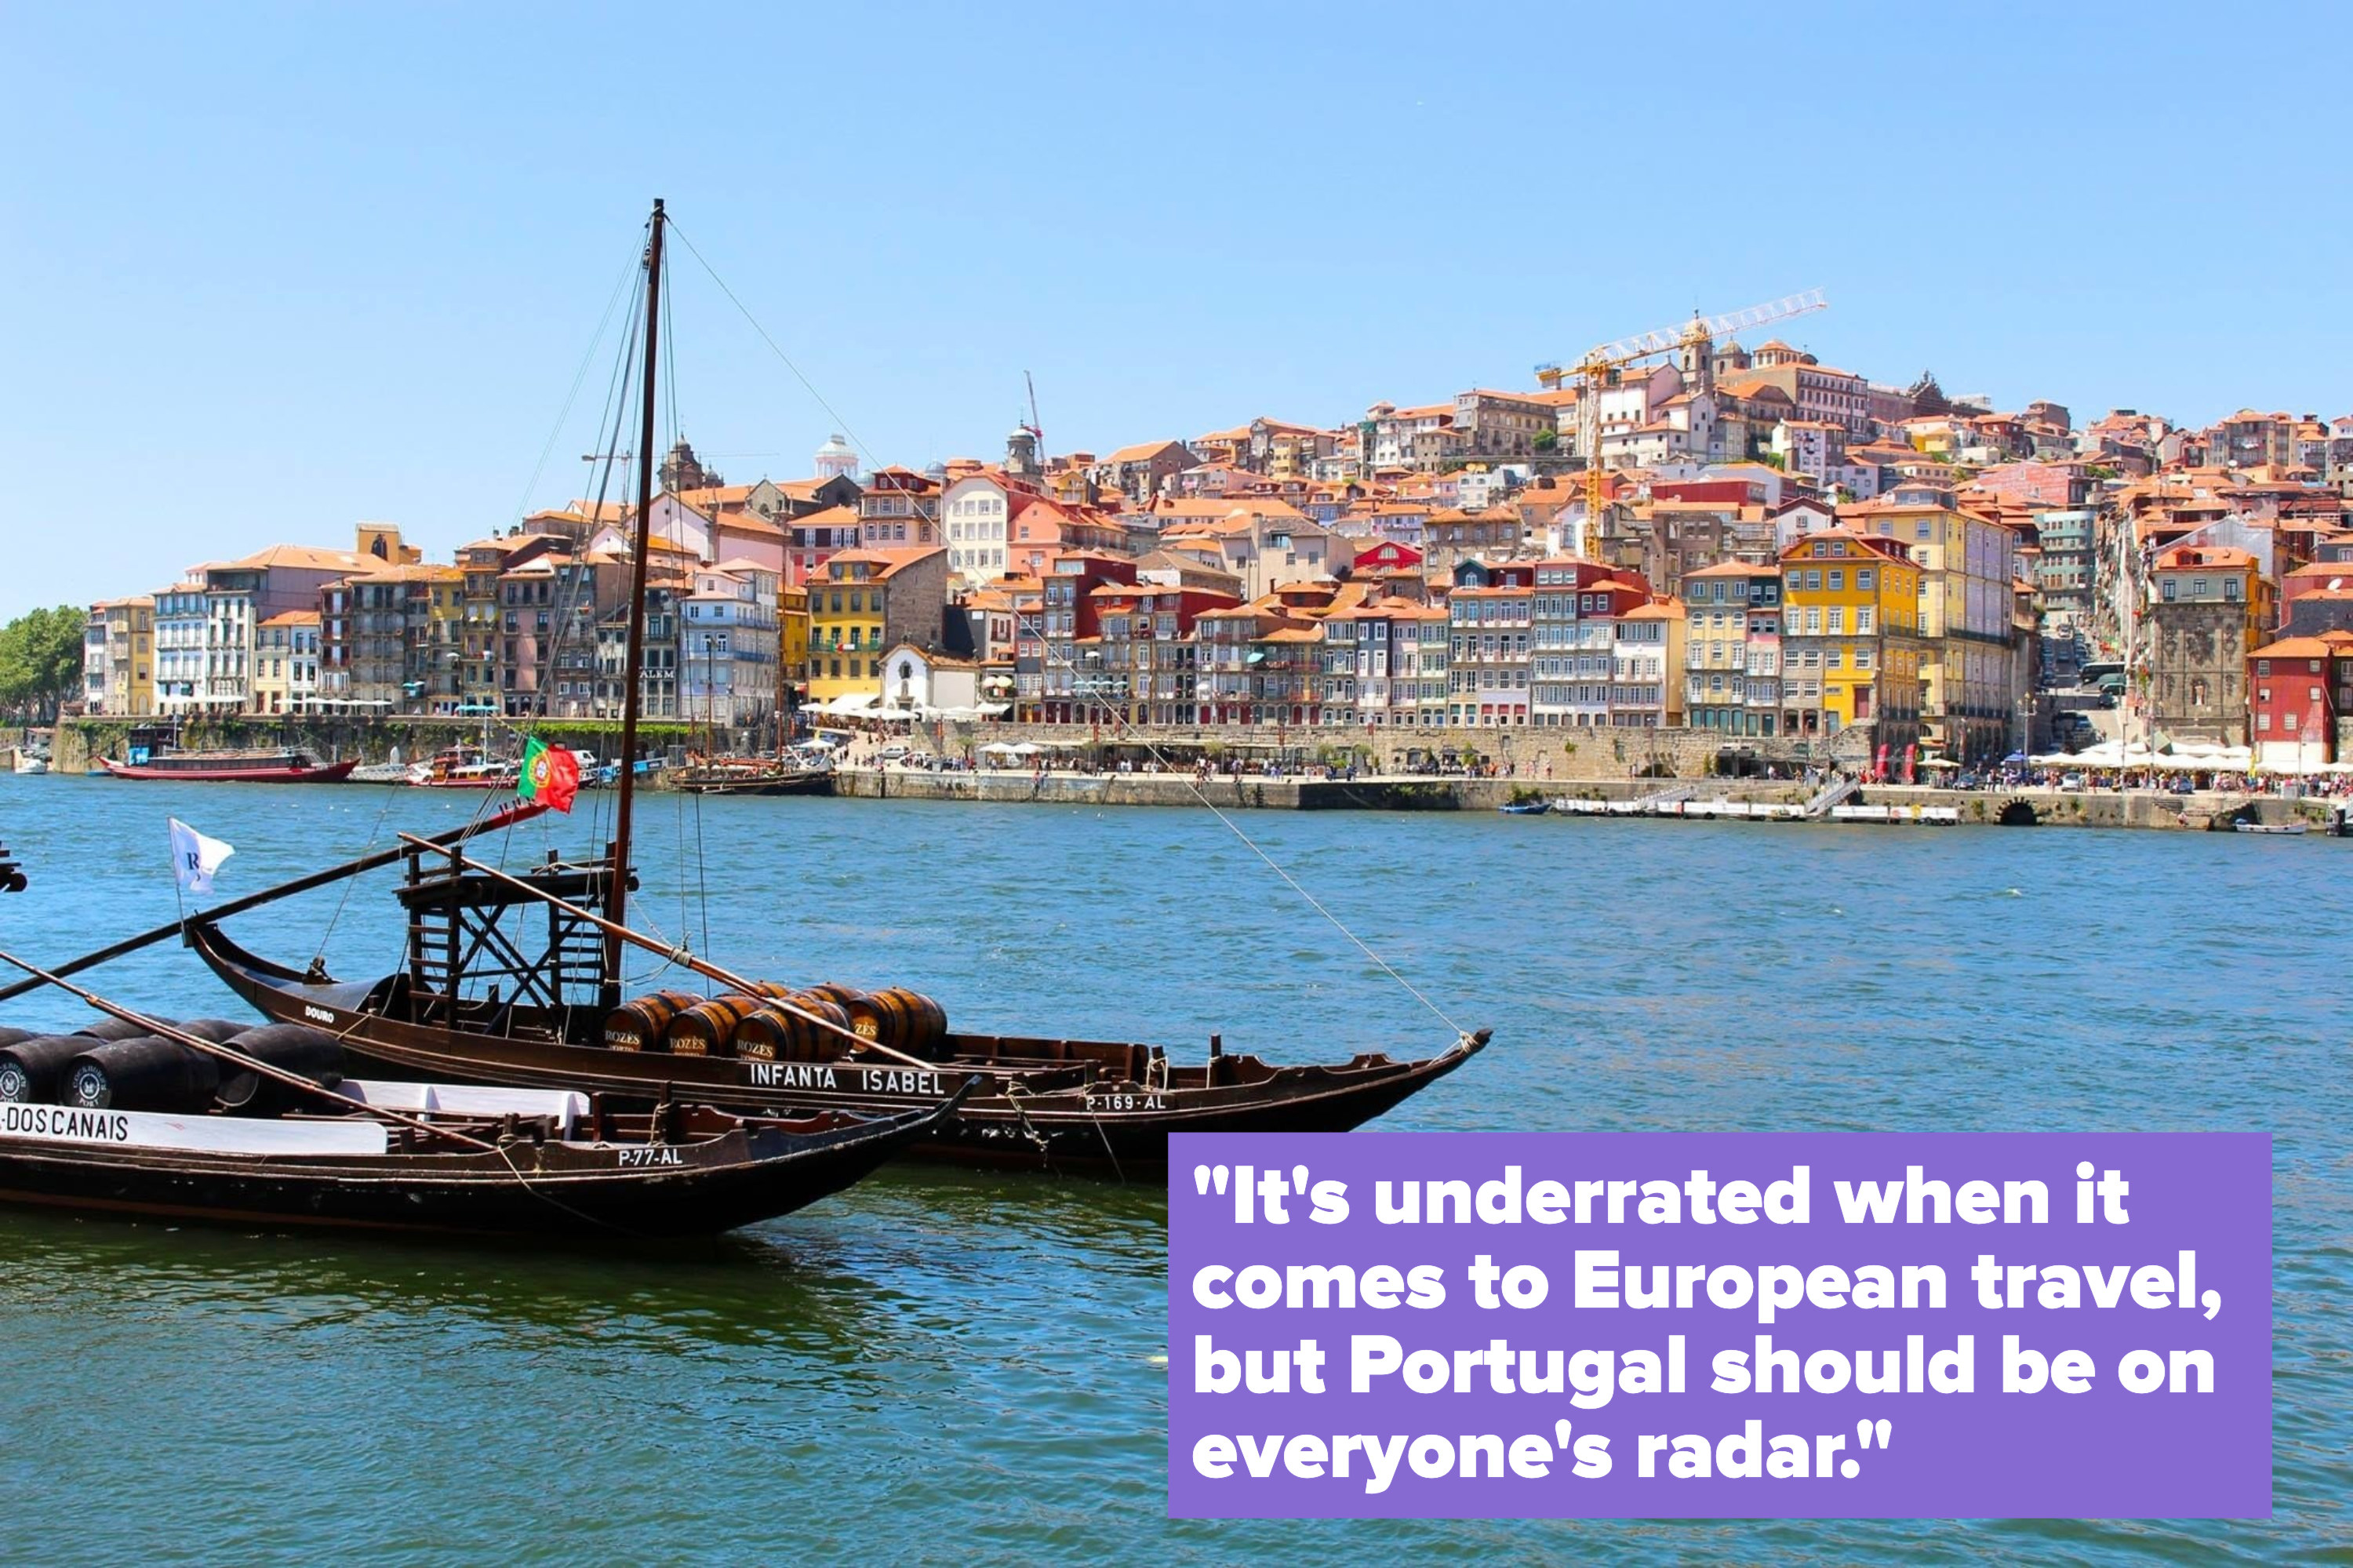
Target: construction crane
(1035, 433)
(1601, 364)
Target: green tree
(40, 662)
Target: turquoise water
(943, 1365)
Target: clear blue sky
(270, 270)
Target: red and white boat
(280, 767)
(464, 767)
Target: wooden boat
(2284, 830)
(422, 1157)
(1091, 1106)
(12, 873)
(752, 776)
(283, 766)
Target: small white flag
(195, 857)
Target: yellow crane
(1600, 365)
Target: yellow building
(793, 634)
(129, 655)
(1967, 566)
(1851, 646)
(861, 602)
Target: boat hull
(1039, 1104)
(813, 782)
(330, 773)
(562, 1190)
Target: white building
(727, 646)
(923, 682)
(182, 616)
(974, 511)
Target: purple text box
(2195, 1327)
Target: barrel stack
(776, 1024)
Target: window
(2165, 590)
(1814, 579)
(1838, 580)
(1862, 579)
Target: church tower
(683, 470)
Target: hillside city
(1744, 543)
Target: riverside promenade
(1409, 792)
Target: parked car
(2071, 781)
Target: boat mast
(616, 886)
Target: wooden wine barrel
(904, 1020)
(708, 1028)
(314, 1052)
(927, 1024)
(841, 995)
(772, 1035)
(219, 1031)
(149, 1075)
(116, 1029)
(32, 1066)
(644, 1023)
(15, 1036)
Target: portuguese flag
(551, 774)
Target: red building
(1150, 665)
(1389, 556)
(2297, 690)
(1048, 663)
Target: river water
(948, 1366)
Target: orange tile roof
(891, 560)
(2294, 648)
(2192, 558)
(1142, 452)
(301, 557)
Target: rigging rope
(1119, 719)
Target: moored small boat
(463, 768)
(282, 765)
(752, 776)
